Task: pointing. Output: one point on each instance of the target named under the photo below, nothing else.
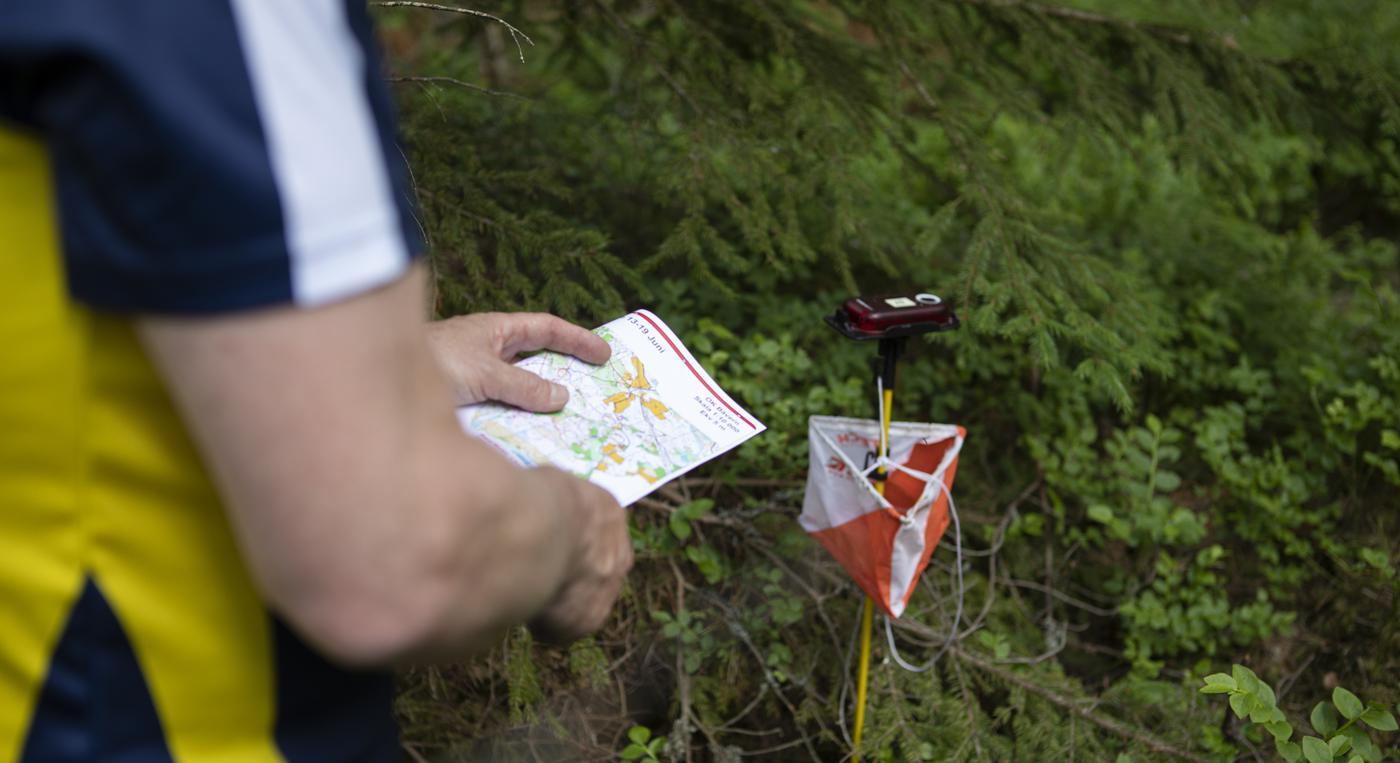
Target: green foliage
(588, 662)
(687, 513)
(1127, 482)
(690, 632)
(1170, 230)
(1339, 726)
(1185, 611)
(641, 745)
(525, 693)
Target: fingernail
(558, 395)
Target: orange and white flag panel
(883, 541)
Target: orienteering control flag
(884, 542)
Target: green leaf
(1358, 738)
(1356, 759)
(1338, 744)
(1362, 744)
(639, 734)
(1218, 683)
(696, 509)
(1375, 557)
(1266, 695)
(1001, 648)
(1324, 720)
(1242, 704)
(633, 752)
(1281, 730)
(1348, 703)
(708, 561)
(1316, 750)
(1379, 719)
(1101, 513)
(680, 525)
(1290, 751)
(1245, 678)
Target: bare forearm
(475, 551)
(369, 520)
(492, 567)
(487, 543)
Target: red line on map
(698, 377)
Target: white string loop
(957, 616)
(907, 520)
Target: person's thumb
(514, 386)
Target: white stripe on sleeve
(307, 71)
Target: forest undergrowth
(1171, 233)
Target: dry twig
(454, 81)
(515, 34)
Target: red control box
(882, 312)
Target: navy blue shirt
(194, 157)
(211, 155)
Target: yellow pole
(867, 619)
(867, 614)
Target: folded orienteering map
(645, 417)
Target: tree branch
(454, 81)
(515, 34)
(1070, 704)
(1170, 33)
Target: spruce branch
(644, 47)
(970, 708)
(1070, 704)
(1164, 31)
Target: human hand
(477, 350)
(603, 558)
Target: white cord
(884, 460)
(845, 684)
(880, 410)
(957, 616)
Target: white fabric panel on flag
(957, 613)
(909, 545)
(910, 541)
(839, 491)
(836, 491)
(835, 498)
